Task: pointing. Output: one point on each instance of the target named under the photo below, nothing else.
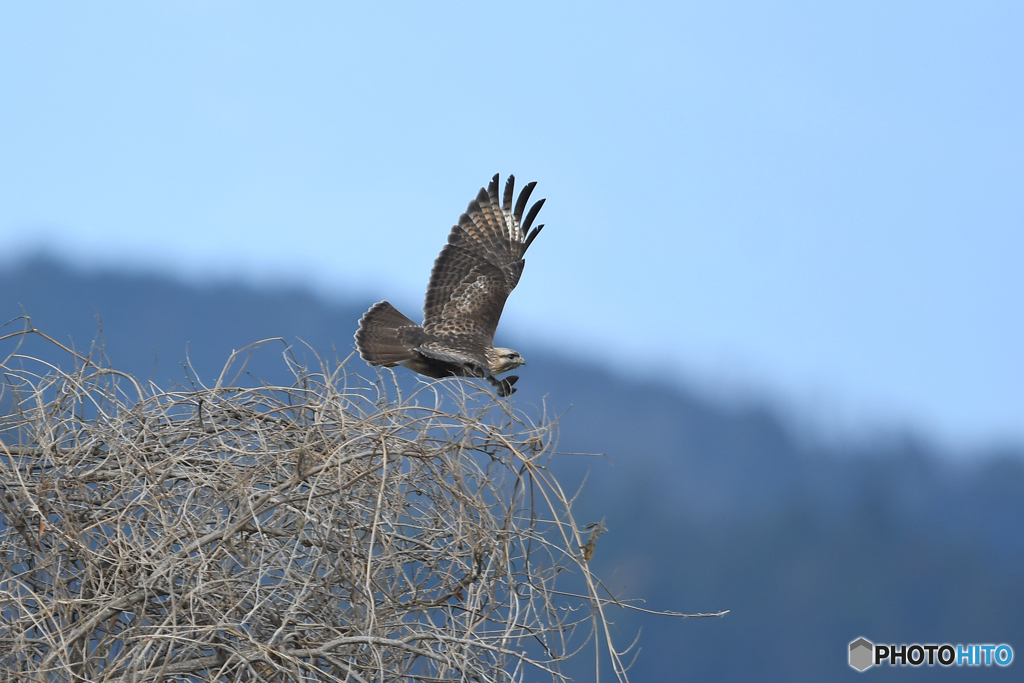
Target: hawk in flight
(471, 279)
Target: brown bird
(471, 279)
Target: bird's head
(503, 360)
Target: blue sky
(821, 203)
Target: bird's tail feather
(384, 335)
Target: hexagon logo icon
(862, 654)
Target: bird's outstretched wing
(481, 264)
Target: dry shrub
(332, 530)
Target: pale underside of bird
(471, 279)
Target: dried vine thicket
(332, 530)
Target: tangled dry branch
(332, 530)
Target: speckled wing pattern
(478, 269)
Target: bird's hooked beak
(522, 361)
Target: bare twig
(321, 531)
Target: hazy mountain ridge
(708, 507)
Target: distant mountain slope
(707, 508)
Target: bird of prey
(471, 279)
